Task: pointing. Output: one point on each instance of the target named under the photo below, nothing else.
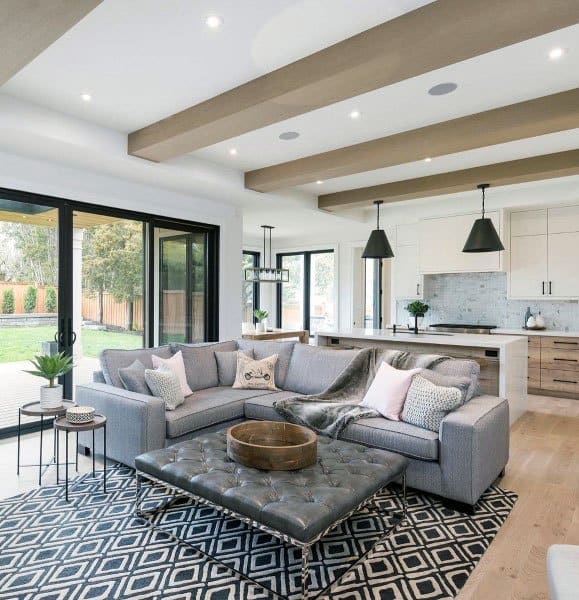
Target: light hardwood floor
(543, 469)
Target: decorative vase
(260, 327)
(540, 321)
(264, 322)
(419, 320)
(51, 397)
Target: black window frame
(307, 254)
(256, 263)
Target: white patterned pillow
(255, 374)
(427, 404)
(165, 385)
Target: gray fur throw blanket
(330, 411)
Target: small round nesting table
(63, 424)
(33, 409)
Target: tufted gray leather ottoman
(299, 507)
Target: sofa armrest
(135, 422)
(474, 447)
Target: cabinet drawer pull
(564, 381)
(550, 287)
(543, 287)
(566, 359)
(565, 343)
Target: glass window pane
(292, 296)
(198, 248)
(321, 291)
(173, 299)
(108, 281)
(248, 304)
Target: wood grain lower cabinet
(554, 366)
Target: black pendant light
(378, 245)
(483, 236)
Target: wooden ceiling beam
(28, 27)
(429, 38)
(540, 116)
(536, 168)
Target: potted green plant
(50, 368)
(261, 316)
(417, 309)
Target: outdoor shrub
(50, 300)
(30, 299)
(8, 302)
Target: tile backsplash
(481, 299)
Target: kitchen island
(502, 358)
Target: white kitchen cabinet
(529, 267)
(563, 262)
(529, 222)
(406, 280)
(442, 239)
(564, 219)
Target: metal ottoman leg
(305, 571)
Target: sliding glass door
(79, 279)
(249, 289)
(307, 300)
(29, 294)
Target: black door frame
(256, 256)
(66, 208)
(307, 254)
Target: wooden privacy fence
(114, 313)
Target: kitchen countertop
(545, 332)
(471, 340)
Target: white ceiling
(144, 60)
(513, 74)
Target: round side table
(33, 409)
(99, 422)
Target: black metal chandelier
(483, 236)
(267, 274)
(378, 245)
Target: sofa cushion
(133, 378)
(227, 365)
(395, 436)
(458, 367)
(112, 360)
(207, 407)
(312, 369)
(263, 349)
(165, 385)
(261, 408)
(200, 363)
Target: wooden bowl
(272, 446)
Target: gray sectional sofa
(457, 463)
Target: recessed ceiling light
(355, 114)
(319, 182)
(557, 53)
(289, 135)
(442, 88)
(428, 159)
(86, 97)
(214, 21)
(233, 151)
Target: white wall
(50, 178)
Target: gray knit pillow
(427, 404)
(165, 385)
(461, 383)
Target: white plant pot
(260, 327)
(264, 321)
(51, 397)
(411, 321)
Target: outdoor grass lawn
(22, 343)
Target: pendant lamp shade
(483, 236)
(378, 245)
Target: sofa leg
(83, 450)
(462, 507)
(502, 474)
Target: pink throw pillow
(387, 393)
(176, 365)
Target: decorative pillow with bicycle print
(255, 374)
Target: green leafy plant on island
(51, 367)
(417, 308)
(260, 314)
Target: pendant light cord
(378, 217)
(483, 203)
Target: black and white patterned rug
(95, 548)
